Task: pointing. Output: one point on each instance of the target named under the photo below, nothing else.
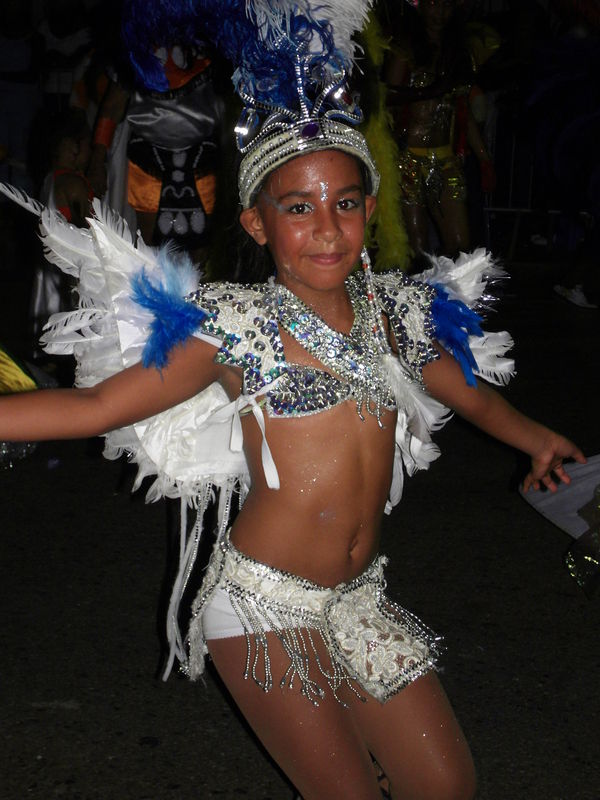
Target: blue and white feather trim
(464, 294)
(467, 278)
(261, 38)
(174, 319)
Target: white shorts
(220, 620)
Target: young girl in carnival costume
(308, 397)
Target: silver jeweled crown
(323, 114)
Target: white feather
(488, 351)
(346, 18)
(466, 278)
(65, 245)
(21, 198)
(114, 241)
(418, 416)
(272, 20)
(67, 326)
(423, 413)
(110, 219)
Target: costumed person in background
(157, 147)
(428, 70)
(65, 29)
(386, 235)
(90, 76)
(476, 115)
(66, 141)
(308, 397)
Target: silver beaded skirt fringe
(369, 640)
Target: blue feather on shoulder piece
(454, 322)
(175, 320)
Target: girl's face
(311, 212)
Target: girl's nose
(327, 226)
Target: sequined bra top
(246, 320)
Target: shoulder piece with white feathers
(463, 286)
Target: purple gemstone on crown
(310, 130)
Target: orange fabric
(207, 189)
(178, 77)
(143, 190)
(104, 132)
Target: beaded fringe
(369, 641)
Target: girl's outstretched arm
(490, 412)
(129, 396)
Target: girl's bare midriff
(335, 471)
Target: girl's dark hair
(253, 263)
(235, 256)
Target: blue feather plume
(453, 323)
(146, 25)
(175, 319)
(262, 48)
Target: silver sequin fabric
(247, 319)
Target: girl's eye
(348, 204)
(300, 208)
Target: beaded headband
(292, 59)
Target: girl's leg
(416, 739)
(320, 748)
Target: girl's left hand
(547, 463)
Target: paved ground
(83, 567)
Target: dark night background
(84, 563)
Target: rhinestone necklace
(356, 357)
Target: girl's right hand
(547, 465)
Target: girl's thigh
(320, 748)
(418, 742)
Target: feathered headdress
(291, 64)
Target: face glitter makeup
(273, 202)
(324, 187)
